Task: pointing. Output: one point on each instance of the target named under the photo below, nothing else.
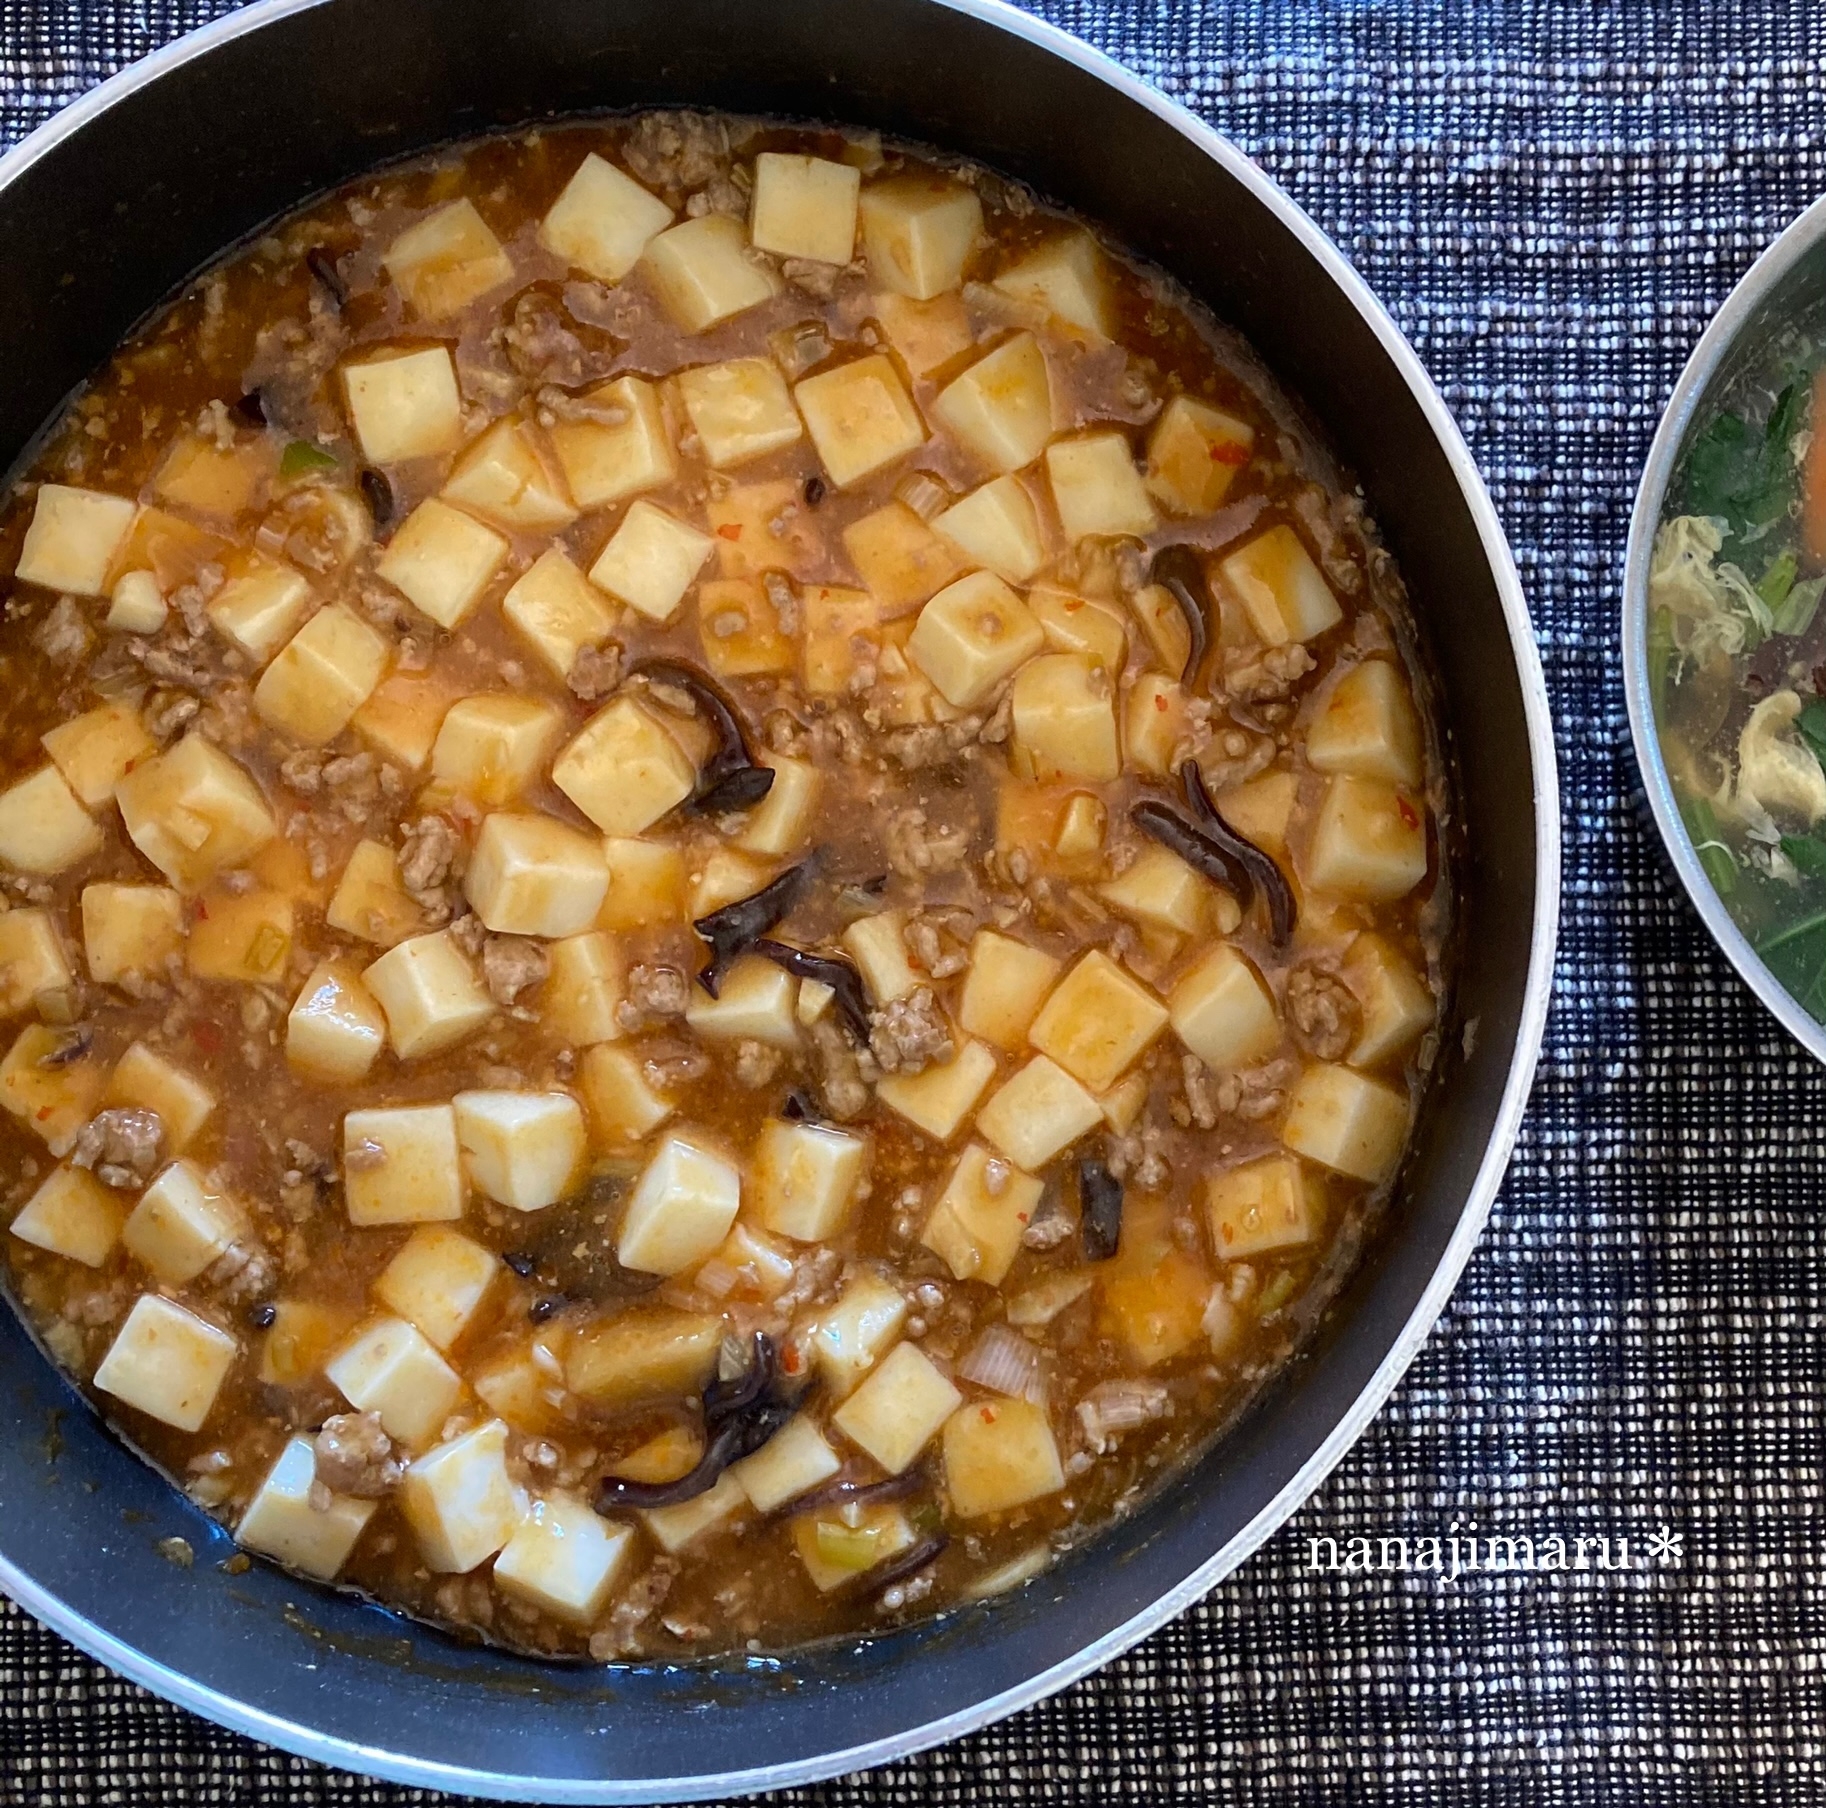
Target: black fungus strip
(1181, 572)
(846, 1492)
(909, 1563)
(1261, 866)
(252, 408)
(547, 1305)
(1160, 822)
(724, 1398)
(741, 790)
(520, 1263)
(731, 778)
(323, 266)
(72, 1048)
(831, 970)
(377, 493)
(734, 930)
(1099, 1209)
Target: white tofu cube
(1346, 1122)
(1223, 1012)
(878, 946)
(564, 1558)
(531, 875)
(681, 1209)
(180, 1226)
(33, 970)
(852, 1335)
(460, 1501)
(623, 1104)
(1194, 454)
(508, 478)
(400, 1165)
(136, 604)
(143, 1079)
(651, 560)
(370, 901)
(167, 1363)
(1065, 277)
(976, 1227)
(43, 826)
(795, 1459)
(242, 936)
(918, 231)
(1283, 591)
(282, 1522)
(493, 748)
(193, 812)
(442, 560)
(1064, 721)
(1160, 891)
(400, 721)
(390, 1368)
(757, 1002)
(73, 538)
(523, 1149)
(53, 1101)
(1268, 1204)
(805, 1177)
(1155, 724)
(940, 1099)
(646, 883)
(1096, 487)
(447, 260)
(130, 929)
(94, 750)
(1000, 410)
(584, 990)
(325, 673)
(781, 823)
(1397, 1007)
(1369, 841)
(625, 770)
(303, 1336)
(804, 207)
(724, 877)
(996, 528)
(739, 629)
(1004, 988)
(836, 1551)
(900, 560)
(557, 611)
(675, 1529)
(702, 272)
(336, 1028)
(740, 409)
(928, 334)
(259, 608)
(404, 405)
(437, 1282)
(1367, 728)
(1038, 1113)
(72, 1215)
(899, 1409)
(971, 636)
(603, 220)
(860, 417)
(430, 994)
(643, 1355)
(1097, 1022)
(999, 1454)
(839, 631)
(605, 460)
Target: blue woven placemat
(1552, 196)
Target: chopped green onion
(1719, 862)
(301, 459)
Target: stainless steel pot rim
(1715, 345)
(305, 1741)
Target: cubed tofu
(1194, 454)
(1065, 278)
(680, 1210)
(391, 1368)
(1396, 1004)
(646, 883)
(584, 990)
(336, 1028)
(73, 538)
(1346, 1122)
(900, 560)
(939, 1100)
(607, 460)
(259, 608)
(167, 1363)
(623, 1104)
(564, 1559)
(1156, 721)
(1283, 591)
(450, 258)
(1083, 824)
(643, 1354)
(241, 937)
(795, 1459)
(43, 826)
(51, 1092)
(401, 1166)
(404, 405)
(1267, 1204)
(761, 527)
(739, 629)
(651, 560)
(130, 929)
(781, 823)
(521, 1149)
(837, 1545)
(493, 748)
(289, 1521)
(1097, 1022)
(805, 1177)
(165, 548)
(437, 1282)
(1223, 1012)
(524, 1384)
(1037, 1114)
(510, 479)
(1078, 624)
(918, 231)
(702, 272)
(303, 1336)
(839, 637)
(442, 560)
(677, 1528)
(878, 946)
(94, 750)
(1166, 632)
(852, 1335)
(1064, 720)
(1160, 891)
(1005, 985)
(211, 479)
(532, 875)
(976, 1227)
(926, 335)
(33, 969)
(369, 900)
(136, 604)
(740, 409)
(1262, 808)
(603, 220)
(430, 994)
(757, 1002)
(1369, 841)
(1152, 1297)
(625, 769)
(1096, 487)
(1367, 728)
(999, 1454)
(460, 1502)
(557, 611)
(401, 720)
(1000, 409)
(972, 635)
(899, 1409)
(996, 528)
(804, 207)
(860, 417)
(323, 675)
(145, 1080)
(72, 1215)
(193, 812)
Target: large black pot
(121, 198)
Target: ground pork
(655, 993)
(676, 150)
(840, 1080)
(908, 1034)
(916, 846)
(637, 1605)
(429, 852)
(512, 964)
(595, 671)
(355, 1456)
(1264, 674)
(540, 346)
(63, 636)
(755, 1063)
(121, 1145)
(1324, 1012)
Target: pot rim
(304, 1740)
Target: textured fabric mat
(1552, 198)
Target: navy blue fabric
(1552, 196)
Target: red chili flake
(1229, 452)
(1408, 815)
(730, 531)
(45, 1111)
(1160, 703)
(202, 911)
(790, 1359)
(206, 1036)
(987, 1415)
